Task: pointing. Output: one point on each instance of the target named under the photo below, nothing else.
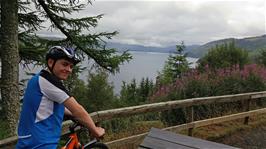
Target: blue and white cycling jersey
(42, 112)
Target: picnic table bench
(160, 139)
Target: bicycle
(74, 143)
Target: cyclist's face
(63, 68)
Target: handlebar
(76, 124)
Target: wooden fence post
(246, 108)
(190, 118)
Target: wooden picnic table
(160, 139)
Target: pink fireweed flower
(213, 78)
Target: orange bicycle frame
(73, 142)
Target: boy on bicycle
(46, 100)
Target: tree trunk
(10, 60)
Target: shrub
(224, 81)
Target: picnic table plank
(153, 143)
(158, 139)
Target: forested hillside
(251, 44)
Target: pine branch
(85, 23)
(105, 59)
(31, 48)
(29, 21)
(58, 7)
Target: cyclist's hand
(99, 132)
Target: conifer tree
(27, 20)
(226, 55)
(175, 65)
(100, 93)
(9, 60)
(261, 57)
(76, 31)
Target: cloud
(161, 23)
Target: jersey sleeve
(52, 91)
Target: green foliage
(224, 56)
(128, 93)
(133, 94)
(251, 78)
(118, 124)
(79, 91)
(97, 94)
(145, 89)
(175, 65)
(173, 117)
(261, 57)
(100, 94)
(254, 83)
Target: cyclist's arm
(82, 116)
(67, 112)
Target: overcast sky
(163, 23)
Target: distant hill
(251, 44)
(132, 47)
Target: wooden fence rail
(162, 106)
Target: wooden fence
(162, 106)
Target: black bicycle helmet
(59, 52)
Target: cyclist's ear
(50, 62)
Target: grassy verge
(226, 129)
(214, 133)
(134, 129)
